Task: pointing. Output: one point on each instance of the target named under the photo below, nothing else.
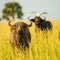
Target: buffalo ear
(32, 20)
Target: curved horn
(43, 13)
(9, 23)
(44, 17)
(30, 22)
(38, 14)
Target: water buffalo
(20, 36)
(41, 23)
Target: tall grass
(43, 46)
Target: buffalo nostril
(20, 32)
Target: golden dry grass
(44, 45)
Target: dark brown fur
(42, 23)
(20, 35)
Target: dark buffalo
(20, 35)
(41, 23)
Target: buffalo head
(20, 35)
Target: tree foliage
(12, 9)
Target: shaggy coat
(20, 36)
(42, 23)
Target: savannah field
(43, 46)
